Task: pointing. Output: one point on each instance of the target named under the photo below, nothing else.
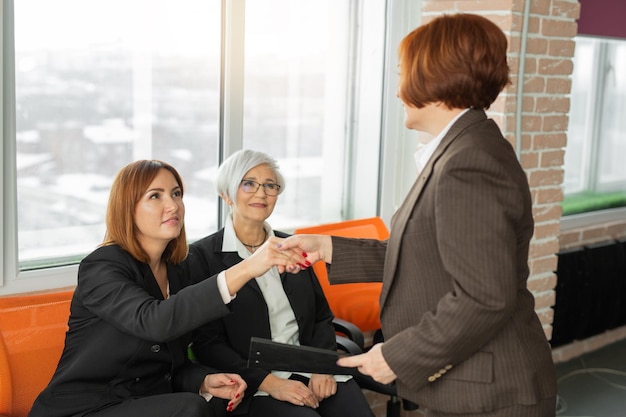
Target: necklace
(253, 247)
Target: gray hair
(232, 170)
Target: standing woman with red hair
(461, 334)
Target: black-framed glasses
(270, 188)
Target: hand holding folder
(274, 356)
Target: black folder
(274, 356)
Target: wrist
(236, 276)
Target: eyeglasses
(270, 189)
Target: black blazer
(125, 340)
(224, 343)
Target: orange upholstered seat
(357, 302)
(32, 335)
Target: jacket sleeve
(190, 376)
(357, 260)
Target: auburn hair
(129, 185)
(458, 60)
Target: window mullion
(231, 83)
(8, 210)
(592, 142)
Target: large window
(96, 88)
(595, 172)
(90, 86)
(148, 86)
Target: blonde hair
(232, 170)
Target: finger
(293, 255)
(351, 361)
(297, 400)
(333, 388)
(311, 401)
(236, 401)
(306, 396)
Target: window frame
(591, 146)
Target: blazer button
(432, 378)
(155, 348)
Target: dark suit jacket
(459, 322)
(124, 340)
(225, 343)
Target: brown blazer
(459, 323)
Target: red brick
(529, 160)
(545, 248)
(549, 141)
(546, 230)
(558, 28)
(556, 66)
(555, 123)
(552, 104)
(546, 212)
(552, 176)
(561, 47)
(552, 158)
(568, 9)
(558, 85)
(549, 195)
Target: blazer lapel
(401, 217)
(149, 282)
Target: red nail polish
(236, 395)
(307, 263)
(304, 254)
(301, 266)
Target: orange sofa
(32, 335)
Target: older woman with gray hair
(286, 308)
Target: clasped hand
(295, 392)
(227, 386)
(271, 254)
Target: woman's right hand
(265, 257)
(294, 392)
(269, 255)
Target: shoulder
(108, 252)
(278, 233)
(209, 242)
(477, 140)
(108, 261)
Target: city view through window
(96, 89)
